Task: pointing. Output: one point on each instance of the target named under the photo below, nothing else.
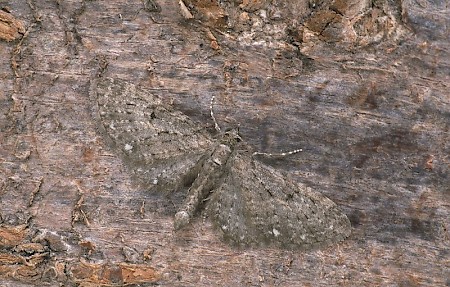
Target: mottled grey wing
(159, 145)
(257, 206)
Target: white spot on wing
(275, 232)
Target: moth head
(231, 136)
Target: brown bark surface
(361, 86)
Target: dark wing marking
(159, 145)
(256, 206)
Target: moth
(250, 203)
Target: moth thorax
(221, 154)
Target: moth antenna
(216, 125)
(278, 154)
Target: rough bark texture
(361, 86)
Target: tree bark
(361, 86)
